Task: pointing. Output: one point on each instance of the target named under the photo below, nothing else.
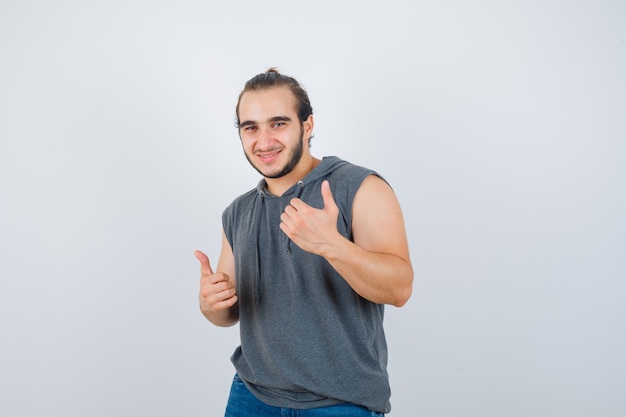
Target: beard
(294, 158)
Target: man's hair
(272, 78)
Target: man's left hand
(310, 228)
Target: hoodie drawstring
(298, 194)
(257, 277)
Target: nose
(265, 138)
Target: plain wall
(500, 124)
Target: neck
(278, 186)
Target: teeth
(268, 156)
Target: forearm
(381, 278)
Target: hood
(326, 166)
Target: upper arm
(377, 221)
(226, 262)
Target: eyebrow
(280, 119)
(273, 119)
(246, 123)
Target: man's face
(271, 133)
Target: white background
(500, 124)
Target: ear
(307, 126)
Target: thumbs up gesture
(310, 228)
(217, 291)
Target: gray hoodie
(307, 339)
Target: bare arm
(218, 294)
(376, 264)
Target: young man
(309, 258)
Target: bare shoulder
(375, 197)
(377, 222)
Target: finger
(327, 195)
(297, 204)
(289, 211)
(224, 304)
(216, 291)
(205, 265)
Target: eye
(278, 124)
(249, 128)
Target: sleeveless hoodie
(307, 339)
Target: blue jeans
(242, 403)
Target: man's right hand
(217, 292)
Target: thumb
(327, 196)
(205, 265)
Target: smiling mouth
(268, 156)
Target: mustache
(272, 149)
